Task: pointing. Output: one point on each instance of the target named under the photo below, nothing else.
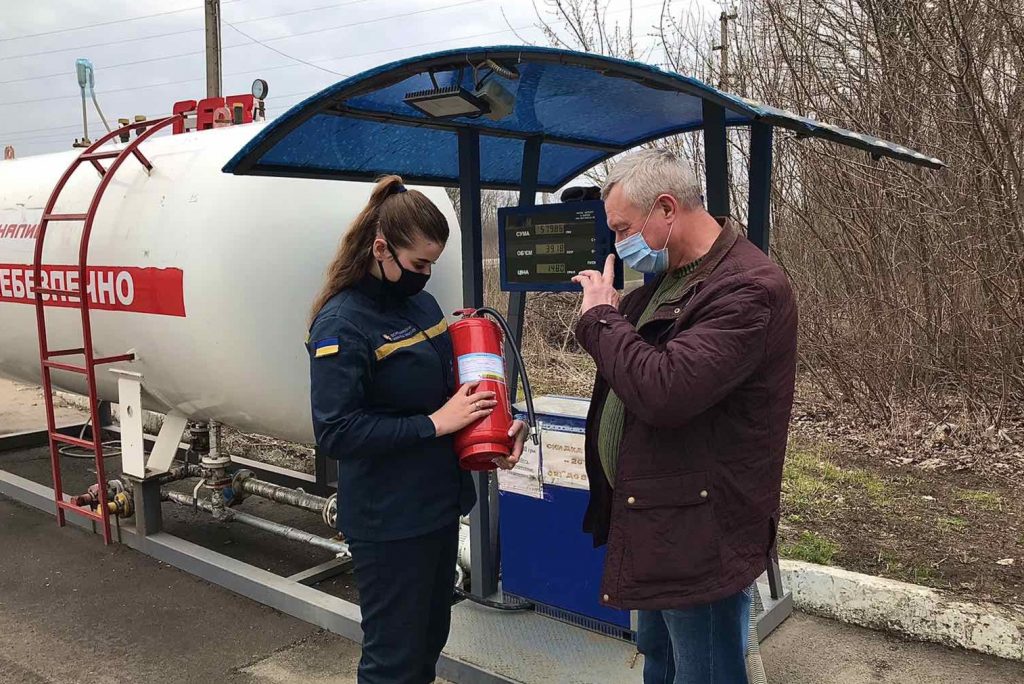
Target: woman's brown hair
(396, 214)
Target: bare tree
(910, 281)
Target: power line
(263, 43)
(297, 60)
(263, 70)
(273, 49)
(110, 23)
(95, 45)
(178, 33)
(374, 21)
(431, 42)
(273, 68)
(170, 83)
(244, 21)
(304, 11)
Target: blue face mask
(638, 255)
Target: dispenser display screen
(543, 247)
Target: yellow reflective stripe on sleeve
(390, 348)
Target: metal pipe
(229, 515)
(285, 495)
(182, 472)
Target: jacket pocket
(670, 528)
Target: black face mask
(408, 284)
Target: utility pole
(213, 53)
(723, 75)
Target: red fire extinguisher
(479, 357)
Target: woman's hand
(463, 409)
(519, 431)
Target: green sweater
(609, 433)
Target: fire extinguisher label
(478, 367)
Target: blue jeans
(704, 644)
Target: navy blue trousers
(405, 593)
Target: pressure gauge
(259, 89)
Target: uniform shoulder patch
(326, 347)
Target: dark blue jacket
(378, 367)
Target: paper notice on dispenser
(525, 477)
(564, 462)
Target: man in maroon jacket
(687, 427)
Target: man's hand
(518, 430)
(598, 288)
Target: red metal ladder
(75, 296)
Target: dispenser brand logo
(111, 288)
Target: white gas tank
(206, 276)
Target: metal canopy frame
(336, 101)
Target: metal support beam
(106, 414)
(716, 160)
(775, 577)
(32, 439)
(321, 572)
(517, 300)
(470, 218)
(148, 513)
(760, 181)
(323, 484)
(776, 609)
(483, 565)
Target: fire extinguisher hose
(521, 367)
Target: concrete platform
(114, 613)
(74, 610)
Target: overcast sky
(146, 64)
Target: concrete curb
(907, 609)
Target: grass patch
(924, 574)
(812, 548)
(951, 523)
(980, 498)
(814, 486)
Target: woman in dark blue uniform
(382, 391)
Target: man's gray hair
(647, 174)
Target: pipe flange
(330, 512)
(238, 494)
(123, 505)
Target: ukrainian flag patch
(326, 347)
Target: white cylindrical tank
(206, 276)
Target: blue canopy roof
(585, 108)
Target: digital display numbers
(549, 229)
(543, 247)
(551, 248)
